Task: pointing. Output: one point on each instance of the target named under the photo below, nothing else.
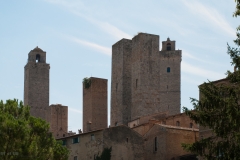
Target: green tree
(219, 109)
(25, 137)
(106, 154)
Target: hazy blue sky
(78, 35)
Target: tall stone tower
(95, 104)
(170, 77)
(145, 81)
(121, 82)
(36, 84)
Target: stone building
(95, 104)
(145, 81)
(36, 93)
(126, 144)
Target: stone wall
(126, 144)
(164, 142)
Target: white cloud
(74, 110)
(94, 46)
(197, 71)
(112, 30)
(211, 15)
(78, 8)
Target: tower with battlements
(145, 81)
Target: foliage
(219, 110)
(26, 137)
(106, 154)
(86, 82)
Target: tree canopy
(25, 137)
(219, 110)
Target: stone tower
(145, 81)
(59, 120)
(36, 84)
(95, 105)
(121, 82)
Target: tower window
(116, 86)
(168, 47)
(155, 144)
(168, 69)
(191, 125)
(177, 123)
(136, 83)
(92, 137)
(37, 58)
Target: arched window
(37, 58)
(168, 47)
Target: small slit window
(136, 83)
(168, 47)
(168, 69)
(155, 144)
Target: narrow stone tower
(145, 81)
(170, 77)
(36, 84)
(121, 82)
(94, 104)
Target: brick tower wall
(59, 120)
(36, 83)
(95, 105)
(121, 82)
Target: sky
(78, 36)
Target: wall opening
(177, 123)
(37, 58)
(116, 86)
(191, 125)
(155, 144)
(136, 83)
(168, 69)
(92, 137)
(168, 47)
